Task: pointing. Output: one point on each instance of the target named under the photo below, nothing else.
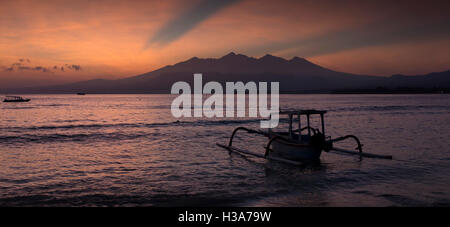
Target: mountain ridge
(295, 75)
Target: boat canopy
(297, 113)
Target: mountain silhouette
(294, 75)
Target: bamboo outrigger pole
(362, 154)
(237, 150)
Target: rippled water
(127, 150)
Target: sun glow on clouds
(109, 38)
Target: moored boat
(15, 99)
(299, 145)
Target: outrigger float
(296, 147)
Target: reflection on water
(126, 150)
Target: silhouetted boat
(80, 93)
(15, 99)
(293, 146)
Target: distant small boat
(80, 93)
(15, 99)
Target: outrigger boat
(15, 99)
(299, 145)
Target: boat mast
(309, 127)
(323, 124)
(299, 127)
(290, 125)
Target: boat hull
(297, 153)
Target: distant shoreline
(400, 90)
(337, 92)
(377, 90)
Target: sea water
(128, 150)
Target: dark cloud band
(22, 66)
(188, 20)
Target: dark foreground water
(127, 150)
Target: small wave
(132, 125)
(402, 200)
(96, 198)
(18, 107)
(55, 105)
(80, 137)
(77, 126)
(226, 122)
(71, 121)
(394, 108)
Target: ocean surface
(128, 150)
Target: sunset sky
(49, 42)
